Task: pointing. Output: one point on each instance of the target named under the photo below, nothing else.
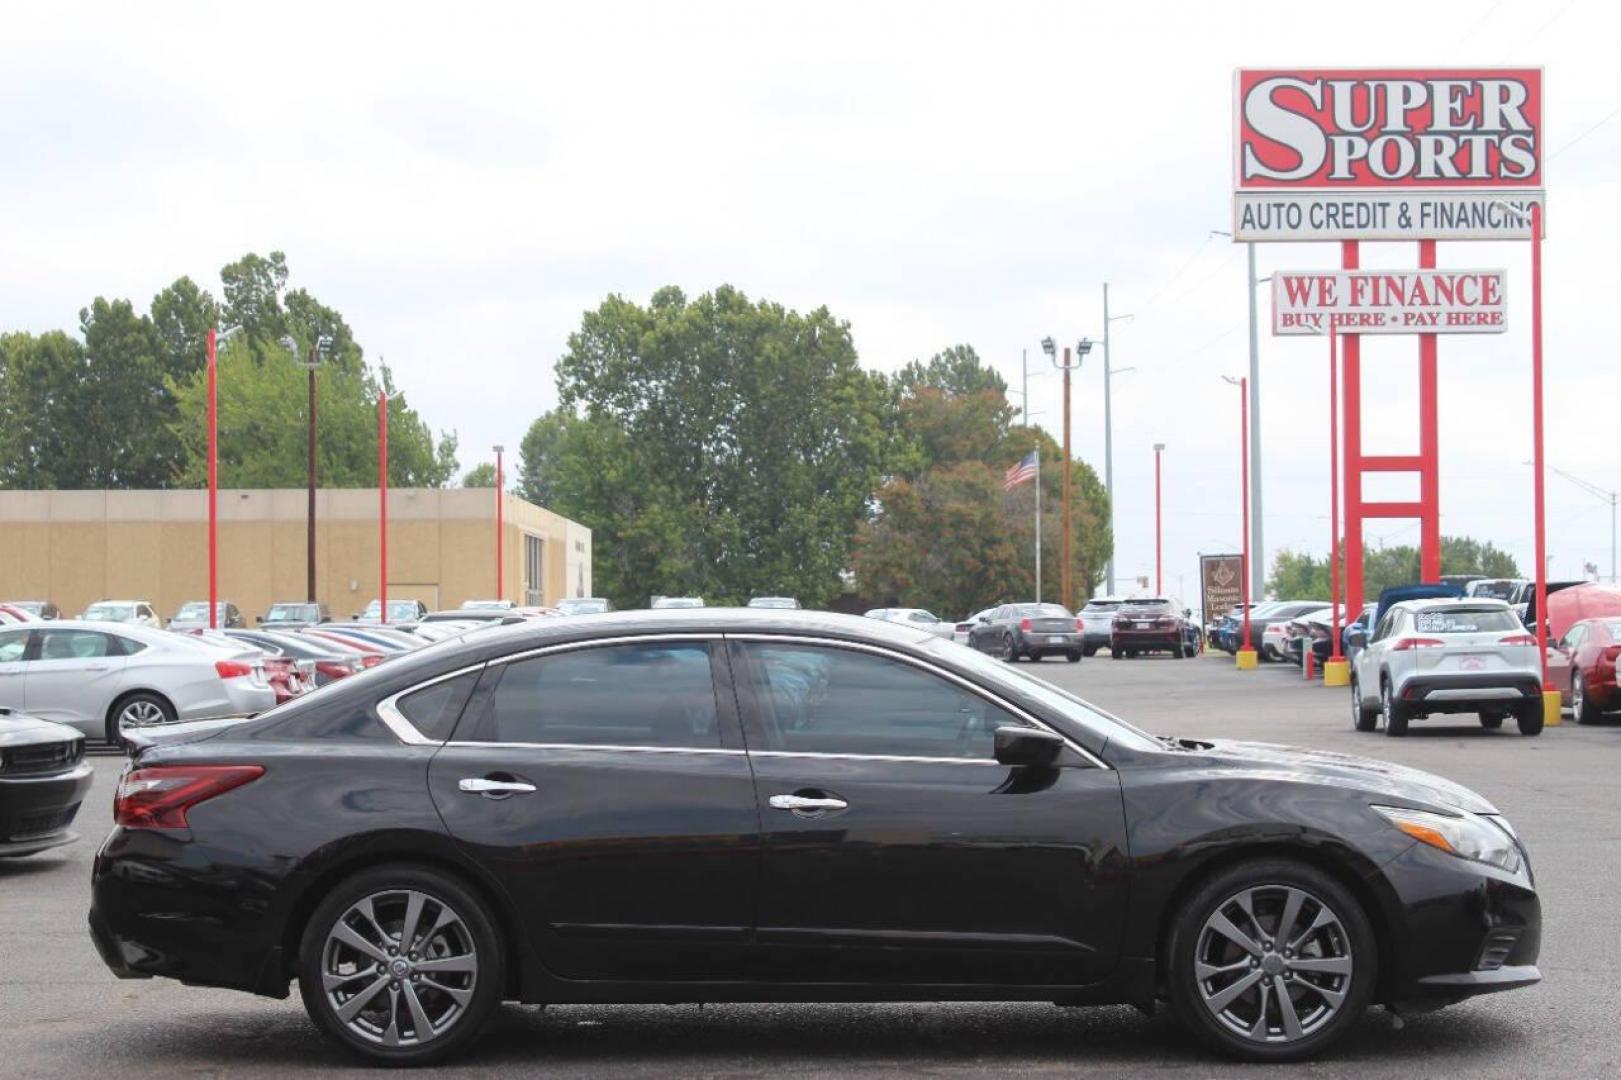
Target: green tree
(719, 446)
(1298, 576)
(42, 385)
(263, 437)
(182, 315)
(253, 286)
(481, 475)
(951, 409)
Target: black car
(43, 779)
(732, 805)
(1014, 631)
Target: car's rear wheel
(1528, 716)
(1581, 705)
(1362, 717)
(136, 711)
(401, 964)
(1271, 960)
(1395, 712)
(1073, 656)
(1090, 651)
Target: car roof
(1442, 603)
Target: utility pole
(1159, 532)
(1108, 443)
(319, 350)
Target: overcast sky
(462, 181)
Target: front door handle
(495, 789)
(802, 804)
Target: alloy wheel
(1273, 964)
(1578, 693)
(140, 713)
(399, 967)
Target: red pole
(499, 529)
(213, 481)
(1350, 256)
(1244, 459)
(1536, 437)
(1334, 487)
(1159, 565)
(382, 506)
(1429, 443)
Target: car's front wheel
(1271, 960)
(401, 964)
(1010, 652)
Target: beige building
(75, 547)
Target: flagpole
(1038, 524)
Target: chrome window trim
(388, 709)
(934, 669)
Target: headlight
(1469, 836)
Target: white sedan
(915, 617)
(104, 678)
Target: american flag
(1018, 474)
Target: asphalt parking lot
(65, 1016)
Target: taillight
(334, 669)
(1024, 624)
(233, 669)
(1080, 624)
(158, 796)
(371, 660)
(1403, 644)
(1518, 639)
(1612, 653)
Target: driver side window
(812, 699)
(1386, 626)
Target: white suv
(1447, 656)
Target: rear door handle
(801, 804)
(495, 789)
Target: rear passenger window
(434, 710)
(660, 694)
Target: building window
(533, 571)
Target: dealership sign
(1389, 302)
(1221, 585)
(1377, 154)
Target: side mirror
(983, 620)
(1023, 746)
(1357, 637)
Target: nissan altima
(754, 805)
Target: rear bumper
(1034, 641)
(35, 811)
(1146, 639)
(1465, 691)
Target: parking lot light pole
(1245, 658)
(1082, 347)
(319, 350)
(382, 507)
(1159, 533)
(500, 580)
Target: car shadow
(24, 866)
(686, 1039)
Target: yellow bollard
(1550, 709)
(1246, 659)
(1337, 673)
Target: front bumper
(1463, 929)
(35, 811)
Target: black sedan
(1014, 631)
(735, 805)
(43, 779)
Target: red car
(1582, 665)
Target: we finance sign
(1389, 302)
(1386, 154)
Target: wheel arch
(132, 691)
(407, 851)
(1339, 867)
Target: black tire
(1350, 936)
(1010, 652)
(1362, 718)
(1492, 719)
(1581, 705)
(1528, 716)
(1090, 651)
(1395, 712)
(1116, 654)
(143, 701)
(1073, 656)
(481, 935)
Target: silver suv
(1447, 656)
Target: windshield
(109, 612)
(1042, 611)
(1151, 604)
(197, 609)
(773, 602)
(291, 613)
(1466, 620)
(1102, 605)
(583, 605)
(1495, 590)
(678, 602)
(1111, 727)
